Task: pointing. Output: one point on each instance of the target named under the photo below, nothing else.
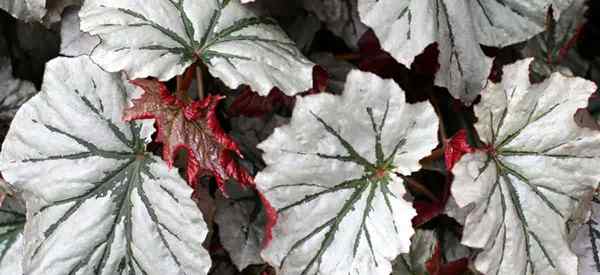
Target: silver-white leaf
(97, 203)
(74, 42)
(161, 38)
(525, 187)
(332, 175)
(406, 27)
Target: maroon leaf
(455, 148)
(436, 266)
(192, 126)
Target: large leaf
(96, 202)
(12, 221)
(406, 27)
(334, 175)
(161, 38)
(535, 169)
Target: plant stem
(200, 81)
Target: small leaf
(455, 148)
(333, 175)
(97, 203)
(161, 38)
(521, 191)
(242, 222)
(191, 126)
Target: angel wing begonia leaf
(97, 203)
(406, 27)
(12, 221)
(192, 126)
(333, 176)
(525, 185)
(160, 38)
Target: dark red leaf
(436, 266)
(455, 148)
(193, 127)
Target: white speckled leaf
(96, 202)
(12, 221)
(160, 38)
(13, 92)
(406, 27)
(331, 175)
(526, 186)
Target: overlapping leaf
(537, 166)
(74, 42)
(12, 221)
(333, 175)
(27, 10)
(406, 27)
(192, 126)
(97, 202)
(160, 38)
(587, 242)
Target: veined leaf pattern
(97, 202)
(335, 176)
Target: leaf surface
(406, 27)
(191, 126)
(332, 175)
(161, 38)
(522, 189)
(97, 202)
